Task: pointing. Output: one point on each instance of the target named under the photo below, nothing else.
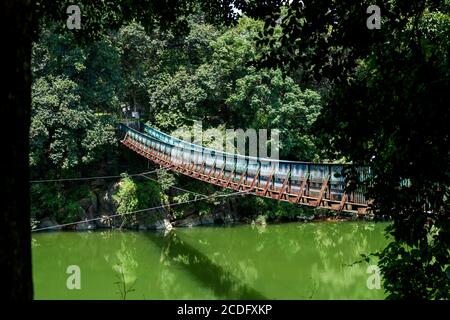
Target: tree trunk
(15, 239)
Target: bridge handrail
(316, 169)
(155, 133)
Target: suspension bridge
(320, 185)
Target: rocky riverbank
(99, 211)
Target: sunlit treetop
(98, 17)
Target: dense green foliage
(383, 102)
(388, 108)
(71, 133)
(171, 80)
(53, 200)
(134, 196)
(73, 85)
(100, 17)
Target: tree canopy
(335, 88)
(388, 109)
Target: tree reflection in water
(286, 261)
(223, 283)
(125, 266)
(294, 261)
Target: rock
(164, 225)
(160, 224)
(49, 223)
(85, 203)
(220, 216)
(91, 211)
(88, 202)
(105, 200)
(368, 216)
(228, 218)
(190, 221)
(84, 226)
(81, 213)
(305, 218)
(157, 220)
(104, 222)
(207, 219)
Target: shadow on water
(222, 282)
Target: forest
(337, 89)
(80, 92)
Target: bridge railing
(183, 152)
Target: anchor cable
(92, 178)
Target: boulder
(104, 222)
(219, 216)
(163, 225)
(306, 217)
(84, 226)
(208, 219)
(189, 221)
(85, 203)
(368, 216)
(91, 212)
(89, 201)
(50, 223)
(156, 220)
(142, 227)
(105, 200)
(228, 218)
(160, 224)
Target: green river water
(282, 261)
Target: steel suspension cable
(92, 178)
(174, 187)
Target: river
(280, 261)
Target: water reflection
(286, 261)
(295, 261)
(223, 283)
